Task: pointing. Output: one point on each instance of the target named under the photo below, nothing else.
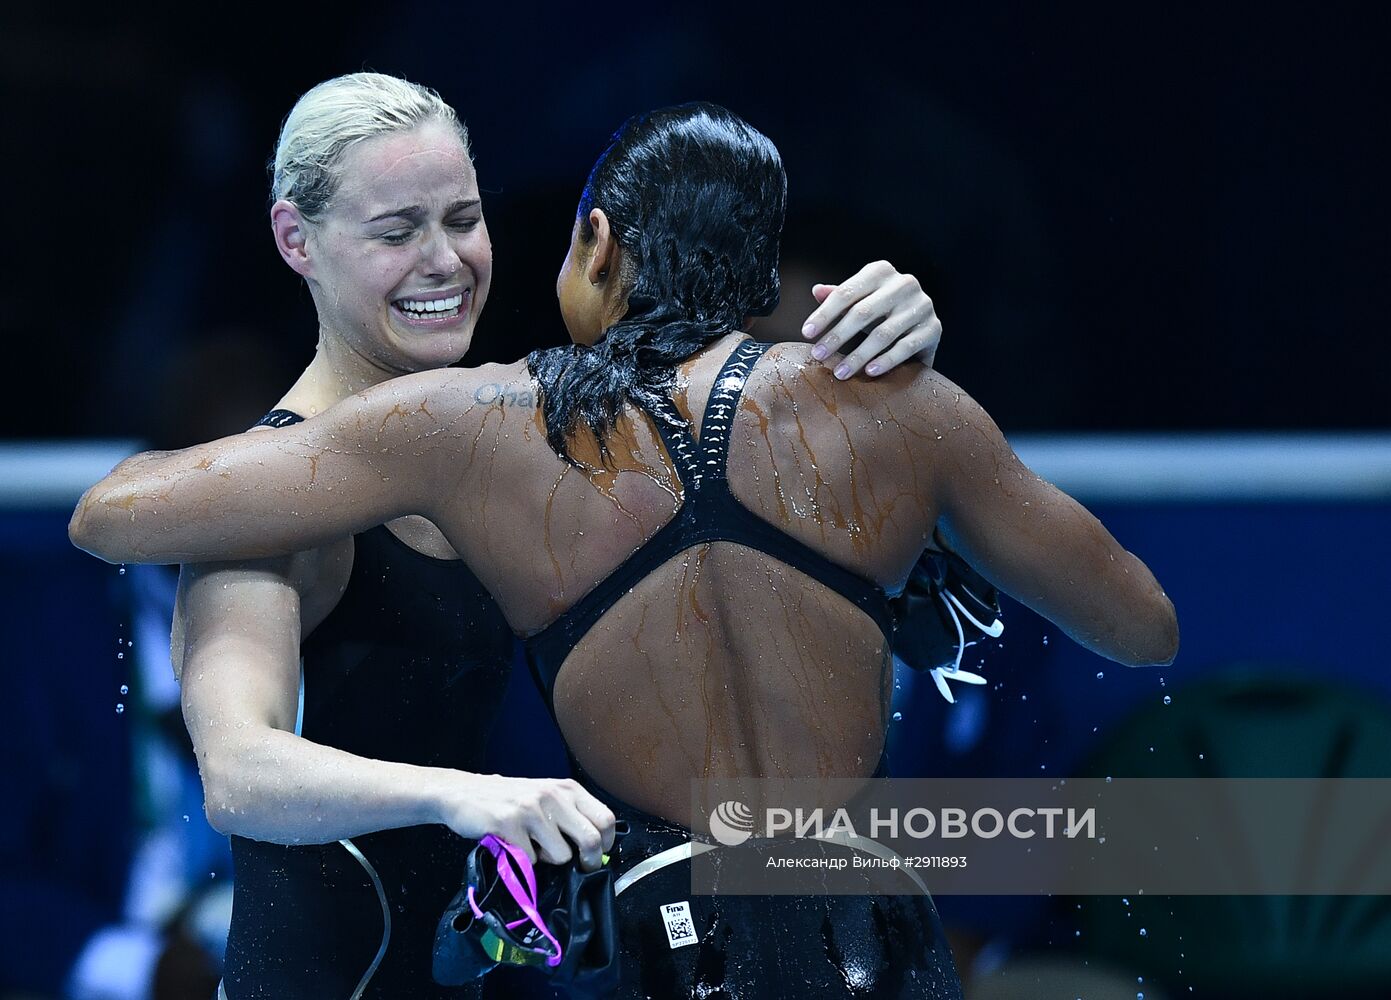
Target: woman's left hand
(898, 314)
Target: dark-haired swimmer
(696, 533)
(340, 699)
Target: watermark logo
(731, 823)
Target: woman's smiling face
(400, 262)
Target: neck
(335, 373)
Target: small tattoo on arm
(501, 395)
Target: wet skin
(724, 662)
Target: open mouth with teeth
(423, 310)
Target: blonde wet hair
(335, 115)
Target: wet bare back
(724, 662)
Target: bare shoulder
(458, 387)
(912, 396)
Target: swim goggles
(554, 918)
(945, 607)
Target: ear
(291, 234)
(602, 261)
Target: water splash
(120, 709)
(125, 689)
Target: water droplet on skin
(1167, 700)
(125, 689)
(1100, 674)
(120, 709)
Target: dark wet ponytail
(695, 197)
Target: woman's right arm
(240, 678)
(1035, 542)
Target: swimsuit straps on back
(709, 513)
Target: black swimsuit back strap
(709, 513)
(721, 407)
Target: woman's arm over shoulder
(1034, 541)
(396, 448)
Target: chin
(423, 350)
(448, 351)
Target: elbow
(218, 816)
(82, 531)
(1158, 646)
(90, 529)
(218, 801)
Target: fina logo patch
(731, 823)
(680, 927)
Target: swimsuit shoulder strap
(721, 407)
(279, 418)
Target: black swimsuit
(709, 513)
(755, 946)
(411, 666)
